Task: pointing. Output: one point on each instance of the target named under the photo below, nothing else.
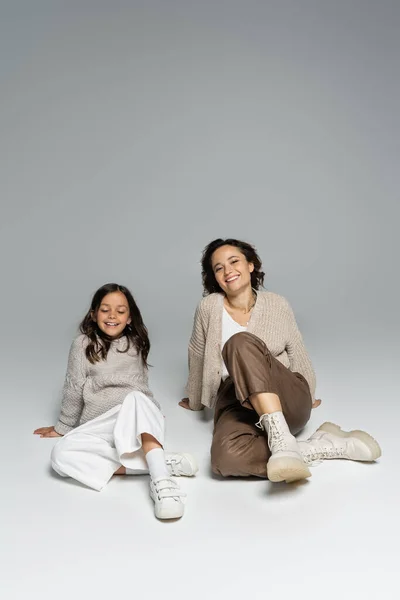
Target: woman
(262, 385)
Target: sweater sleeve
(299, 360)
(196, 361)
(72, 397)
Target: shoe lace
(314, 457)
(276, 437)
(167, 488)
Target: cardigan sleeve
(299, 360)
(72, 397)
(196, 361)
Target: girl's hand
(46, 432)
(316, 403)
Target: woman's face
(231, 270)
(113, 314)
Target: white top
(229, 328)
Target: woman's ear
(251, 267)
(93, 316)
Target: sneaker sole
(167, 514)
(287, 469)
(363, 436)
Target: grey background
(133, 133)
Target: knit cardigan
(272, 320)
(90, 390)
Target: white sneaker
(181, 465)
(167, 498)
(286, 462)
(330, 441)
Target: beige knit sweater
(91, 390)
(272, 320)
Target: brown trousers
(239, 448)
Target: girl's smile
(113, 314)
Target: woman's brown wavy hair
(210, 284)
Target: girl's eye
(103, 310)
(234, 261)
(121, 312)
(217, 269)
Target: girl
(263, 383)
(110, 421)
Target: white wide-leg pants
(92, 452)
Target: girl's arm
(299, 360)
(72, 398)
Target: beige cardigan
(272, 320)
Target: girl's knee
(58, 453)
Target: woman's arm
(299, 360)
(72, 398)
(196, 360)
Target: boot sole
(363, 436)
(287, 469)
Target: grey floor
(336, 533)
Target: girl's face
(231, 269)
(113, 314)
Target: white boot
(330, 441)
(286, 462)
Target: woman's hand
(316, 403)
(185, 403)
(47, 432)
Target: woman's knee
(242, 341)
(243, 338)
